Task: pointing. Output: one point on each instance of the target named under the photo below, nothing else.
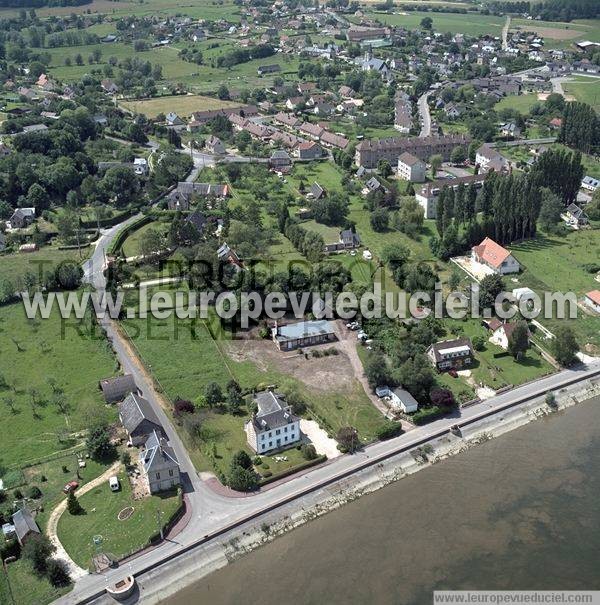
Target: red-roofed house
(494, 256)
(592, 299)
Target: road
(424, 115)
(505, 33)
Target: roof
(491, 253)
(198, 219)
(317, 190)
(134, 410)
(158, 450)
(446, 347)
(594, 296)
(409, 159)
(304, 329)
(349, 237)
(118, 387)
(273, 411)
(405, 397)
(24, 523)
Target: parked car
(70, 487)
(114, 483)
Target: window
(158, 475)
(285, 429)
(262, 437)
(171, 473)
(285, 438)
(270, 444)
(277, 431)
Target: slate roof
(273, 412)
(134, 410)
(24, 523)
(115, 389)
(157, 450)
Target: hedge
(122, 235)
(425, 415)
(290, 471)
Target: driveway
(323, 443)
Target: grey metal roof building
(117, 388)
(303, 333)
(24, 525)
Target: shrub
(478, 343)
(18, 494)
(182, 406)
(64, 468)
(257, 461)
(308, 451)
(34, 492)
(264, 465)
(388, 430)
(267, 474)
(10, 548)
(425, 415)
(242, 479)
(442, 397)
(242, 459)
(43, 479)
(57, 573)
(73, 505)
(126, 458)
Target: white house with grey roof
(25, 525)
(160, 464)
(411, 168)
(273, 426)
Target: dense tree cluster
(580, 127)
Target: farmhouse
(181, 197)
(117, 388)
(575, 216)
(25, 525)
(21, 217)
(172, 119)
(494, 256)
(273, 426)
(348, 240)
(161, 468)
(302, 334)
(451, 354)
(138, 418)
(592, 300)
(411, 168)
(214, 145)
(404, 400)
(309, 150)
(280, 159)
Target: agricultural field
(557, 34)
(35, 352)
(119, 538)
(585, 90)
(472, 24)
(183, 105)
(210, 10)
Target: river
(519, 512)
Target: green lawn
(33, 352)
(14, 266)
(131, 245)
(101, 506)
(555, 264)
(26, 586)
(585, 90)
(493, 366)
(522, 103)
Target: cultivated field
(182, 105)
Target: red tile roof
(491, 253)
(594, 296)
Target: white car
(114, 483)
